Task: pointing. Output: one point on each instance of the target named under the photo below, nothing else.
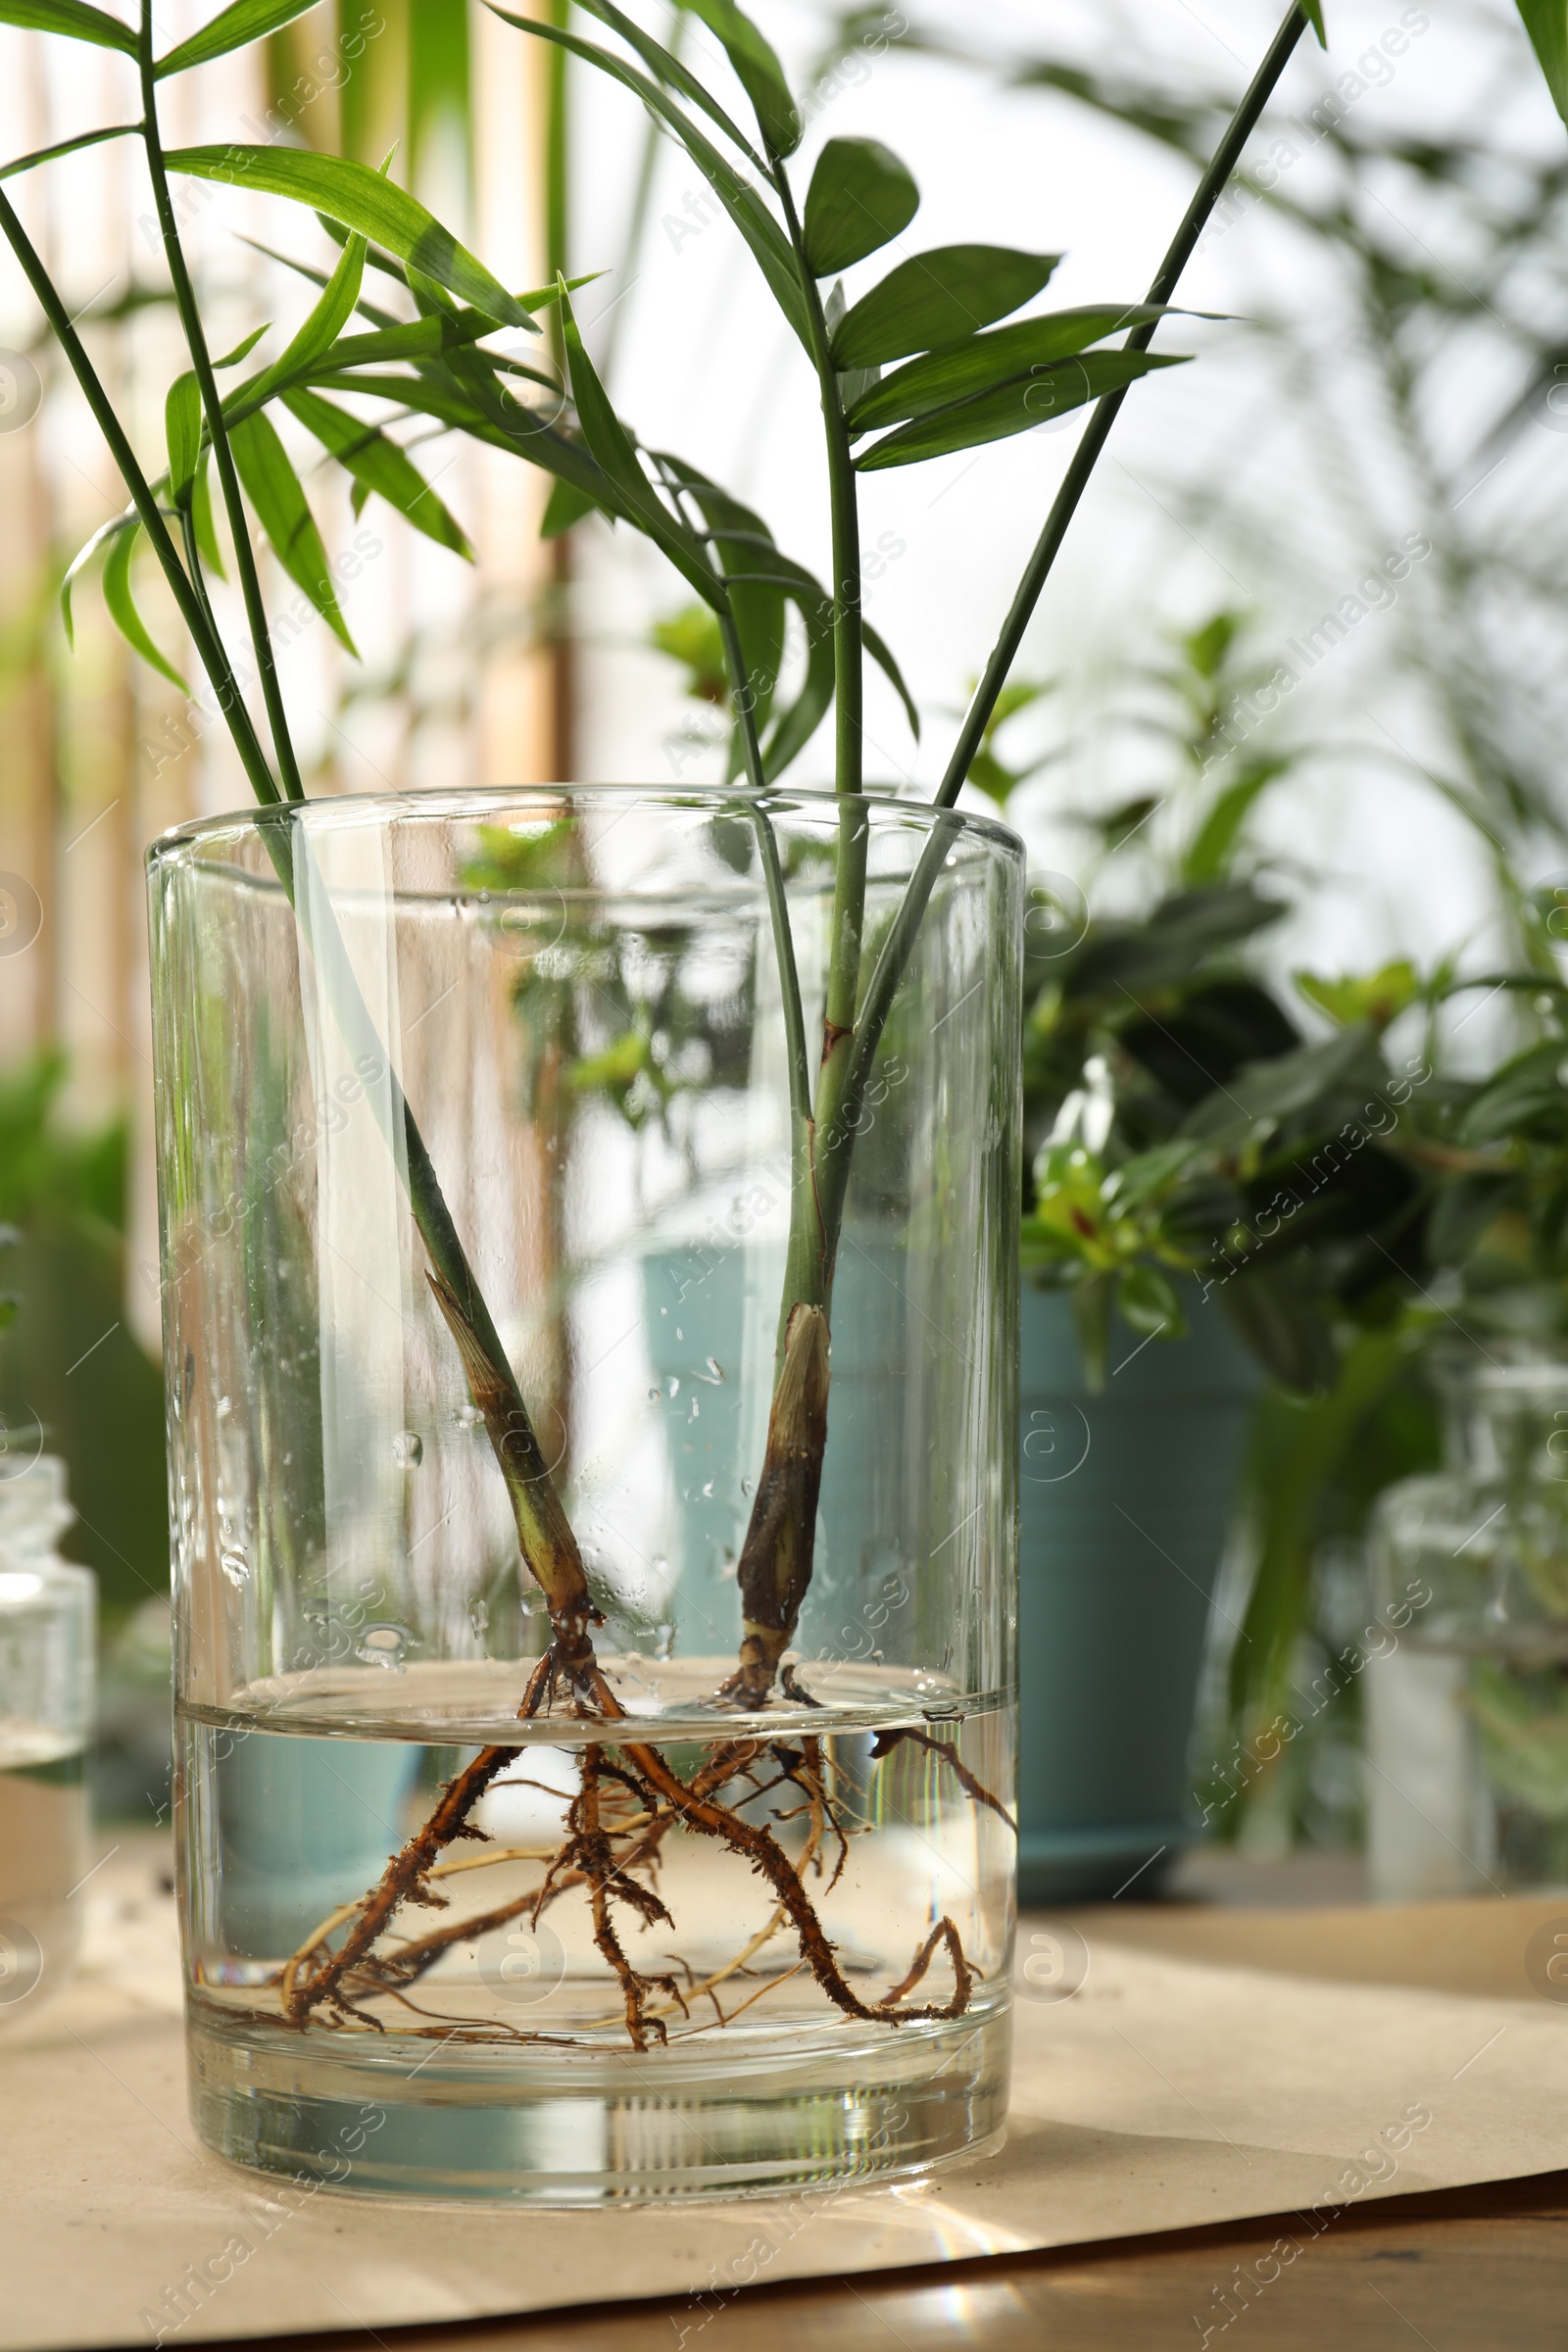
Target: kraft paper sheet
(1167, 2092)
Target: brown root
(886, 1742)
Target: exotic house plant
(672, 1903)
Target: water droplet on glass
(235, 1566)
(480, 1617)
(716, 1370)
(745, 1486)
(679, 1334)
(469, 1416)
(708, 1491)
(382, 1645)
(656, 1396)
(674, 1381)
(223, 1407)
(407, 1449)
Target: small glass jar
(1467, 1707)
(47, 1620)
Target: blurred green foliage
(67, 1360)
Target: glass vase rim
(368, 808)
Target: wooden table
(1475, 2269)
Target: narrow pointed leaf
(80, 561)
(182, 431)
(882, 654)
(377, 464)
(756, 70)
(360, 199)
(861, 195)
(321, 330)
(666, 68)
(243, 348)
(1312, 10)
(274, 489)
(121, 608)
(744, 205)
(86, 138)
(246, 21)
(1546, 23)
(1016, 408)
(73, 18)
(567, 504)
(635, 496)
(201, 518)
(939, 298)
(987, 362)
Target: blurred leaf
(756, 70)
(1033, 399)
(667, 67)
(274, 489)
(740, 199)
(122, 606)
(985, 363)
(940, 297)
(73, 18)
(80, 561)
(1312, 10)
(567, 504)
(1526, 1097)
(691, 637)
(379, 464)
(1148, 1301)
(244, 22)
(1120, 958)
(1279, 1319)
(1208, 856)
(1376, 1000)
(364, 201)
(1464, 1208)
(861, 195)
(183, 432)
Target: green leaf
(1377, 998)
(201, 517)
(1208, 858)
(243, 348)
(861, 195)
(986, 362)
(1546, 23)
(745, 207)
(880, 653)
(80, 561)
(122, 611)
(73, 18)
(757, 604)
(273, 490)
(379, 464)
(318, 333)
(1148, 1301)
(607, 437)
(1015, 408)
(667, 67)
(940, 297)
(182, 431)
(756, 70)
(246, 21)
(1312, 10)
(361, 200)
(565, 505)
(87, 138)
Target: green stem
(203, 635)
(207, 384)
(1064, 505)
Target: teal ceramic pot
(1125, 1499)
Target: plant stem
(207, 384)
(1064, 505)
(836, 1141)
(203, 635)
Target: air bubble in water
(382, 1645)
(469, 1416)
(407, 1449)
(235, 1566)
(223, 1407)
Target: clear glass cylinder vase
(708, 1887)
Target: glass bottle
(47, 1620)
(1467, 1708)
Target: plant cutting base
(393, 2114)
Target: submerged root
(972, 1786)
